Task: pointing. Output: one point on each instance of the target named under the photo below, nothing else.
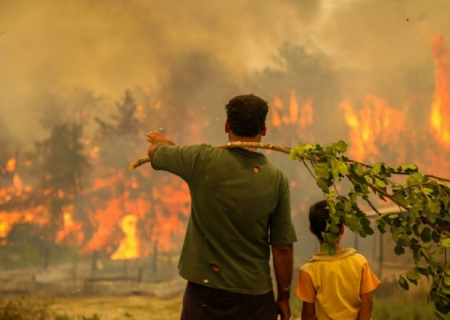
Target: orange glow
(17, 182)
(276, 121)
(293, 107)
(129, 246)
(105, 221)
(167, 232)
(71, 232)
(36, 215)
(94, 153)
(295, 114)
(11, 165)
(440, 109)
(306, 118)
(373, 125)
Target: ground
(119, 308)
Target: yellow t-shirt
(335, 283)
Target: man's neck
(235, 138)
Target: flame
(17, 182)
(72, 231)
(293, 108)
(105, 221)
(306, 118)
(295, 114)
(374, 125)
(168, 230)
(11, 165)
(129, 246)
(440, 109)
(37, 215)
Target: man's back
(237, 198)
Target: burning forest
(66, 195)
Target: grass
(390, 303)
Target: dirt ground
(115, 308)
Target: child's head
(319, 214)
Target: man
(240, 209)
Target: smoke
(206, 52)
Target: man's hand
(283, 309)
(156, 139)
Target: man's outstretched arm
(156, 139)
(283, 263)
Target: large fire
(440, 109)
(130, 219)
(372, 126)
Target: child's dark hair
(319, 214)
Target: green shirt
(240, 206)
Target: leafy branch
(422, 224)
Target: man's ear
(264, 131)
(342, 229)
(227, 127)
(310, 229)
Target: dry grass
(398, 307)
(115, 308)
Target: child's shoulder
(360, 257)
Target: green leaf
(425, 235)
(293, 154)
(402, 282)
(328, 248)
(322, 171)
(381, 228)
(365, 221)
(321, 183)
(445, 242)
(399, 250)
(331, 237)
(434, 207)
(415, 178)
(343, 168)
(435, 236)
(404, 241)
(447, 280)
(341, 146)
(376, 169)
(414, 212)
(359, 170)
(409, 168)
(334, 228)
(334, 167)
(412, 275)
(380, 183)
(368, 230)
(427, 191)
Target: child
(337, 286)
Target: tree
(61, 162)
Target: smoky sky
(206, 52)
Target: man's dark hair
(318, 218)
(246, 115)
